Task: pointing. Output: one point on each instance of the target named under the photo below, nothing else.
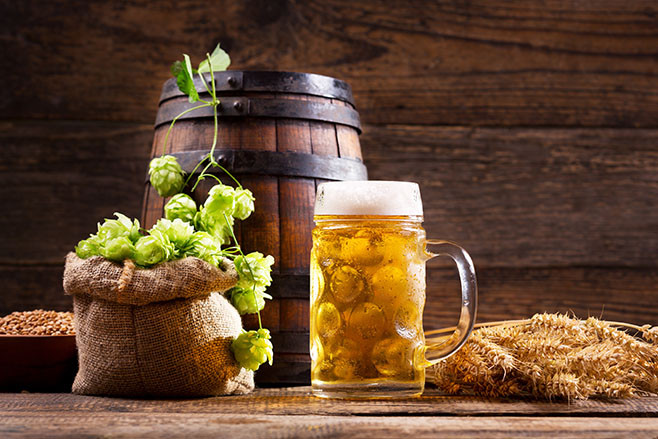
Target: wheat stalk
(552, 356)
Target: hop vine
(205, 231)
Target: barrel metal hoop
(285, 164)
(290, 286)
(232, 106)
(291, 342)
(267, 82)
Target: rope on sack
(124, 280)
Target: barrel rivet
(231, 81)
(238, 106)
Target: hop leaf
(88, 247)
(177, 231)
(244, 204)
(219, 60)
(116, 228)
(149, 250)
(181, 206)
(253, 348)
(248, 301)
(254, 271)
(203, 246)
(166, 175)
(184, 74)
(118, 249)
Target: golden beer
(367, 296)
(368, 291)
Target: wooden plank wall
(532, 128)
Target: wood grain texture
(483, 62)
(296, 198)
(174, 425)
(299, 401)
(323, 138)
(153, 203)
(520, 197)
(622, 294)
(33, 287)
(520, 200)
(58, 179)
(530, 197)
(625, 294)
(260, 232)
(348, 142)
(293, 413)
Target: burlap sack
(165, 331)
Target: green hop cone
(171, 252)
(118, 249)
(181, 206)
(248, 301)
(178, 232)
(244, 204)
(88, 247)
(220, 201)
(253, 348)
(216, 225)
(166, 175)
(254, 270)
(149, 251)
(116, 228)
(203, 246)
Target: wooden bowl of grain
(38, 352)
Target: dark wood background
(532, 128)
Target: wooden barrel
(280, 134)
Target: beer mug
(368, 292)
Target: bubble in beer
(317, 281)
(400, 250)
(406, 320)
(323, 370)
(393, 356)
(347, 284)
(326, 248)
(348, 349)
(389, 284)
(327, 320)
(366, 321)
(364, 248)
(345, 368)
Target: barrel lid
(268, 81)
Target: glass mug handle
(437, 349)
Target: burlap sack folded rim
(128, 284)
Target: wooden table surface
(293, 412)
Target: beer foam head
(395, 198)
